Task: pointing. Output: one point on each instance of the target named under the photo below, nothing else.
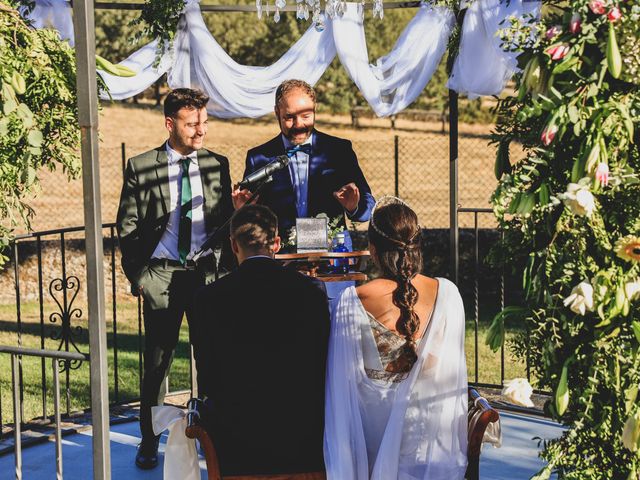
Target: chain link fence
(415, 168)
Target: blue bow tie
(306, 148)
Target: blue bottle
(340, 265)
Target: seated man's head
(254, 231)
(296, 110)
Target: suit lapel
(274, 149)
(210, 176)
(162, 177)
(317, 160)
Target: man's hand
(240, 197)
(348, 196)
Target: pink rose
(602, 174)
(557, 52)
(597, 7)
(575, 24)
(614, 14)
(548, 134)
(553, 32)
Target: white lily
(632, 289)
(518, 391)
(579, 199)
(581, 298)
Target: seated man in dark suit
(261, 336)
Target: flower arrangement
(570, 213)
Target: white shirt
(299, 172)
(168, 246)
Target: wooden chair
(480, 415)
(196, 430)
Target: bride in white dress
(396, 401)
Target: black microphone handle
(280, 162)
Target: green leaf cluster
(38, 115)
(565, 209)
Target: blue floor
(516, 459)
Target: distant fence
(415, 168)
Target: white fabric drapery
(389, 85)
(482, 67)
(54, 14)
(414, 429)
(395, 80)
(180, 454)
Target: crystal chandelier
(312, 8)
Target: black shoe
(147, 455)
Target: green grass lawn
(78, 396)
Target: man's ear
(169, 124)
(277, 245)
(234, 246)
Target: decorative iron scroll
(67, 332)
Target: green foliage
(570, 213)
(38, 116)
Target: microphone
(263, 174)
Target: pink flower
(575, 24)
(597, 7)
(553, 32)
(602, 174)
(614, 14)
(548, 134)
(557, 52)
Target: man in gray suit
(172, 199)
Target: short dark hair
(184, 98)
(289, 85)
(254, 227)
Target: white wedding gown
(408, 430)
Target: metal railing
(57, 358)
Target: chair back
(481, 414)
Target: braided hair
(396, 236)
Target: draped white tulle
(54, 14)
(482, 66)
(389, 85)
(395, 80)
(412, 430)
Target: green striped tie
(186, 213)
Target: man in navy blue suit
(323, 175)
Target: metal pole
(396, 165)
(17, 420)
(56, 413)
(84, 23)
(453, 184)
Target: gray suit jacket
(145, 201)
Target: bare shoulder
(374, 288)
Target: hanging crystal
(361, 10)
(378, 9)
(259, 8)
(276, 15)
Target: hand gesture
(240, 197)
(348, 196)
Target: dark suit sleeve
(227, 259)
(248, 165)
(128, 224)
(354, 173)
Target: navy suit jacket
(332, 164)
